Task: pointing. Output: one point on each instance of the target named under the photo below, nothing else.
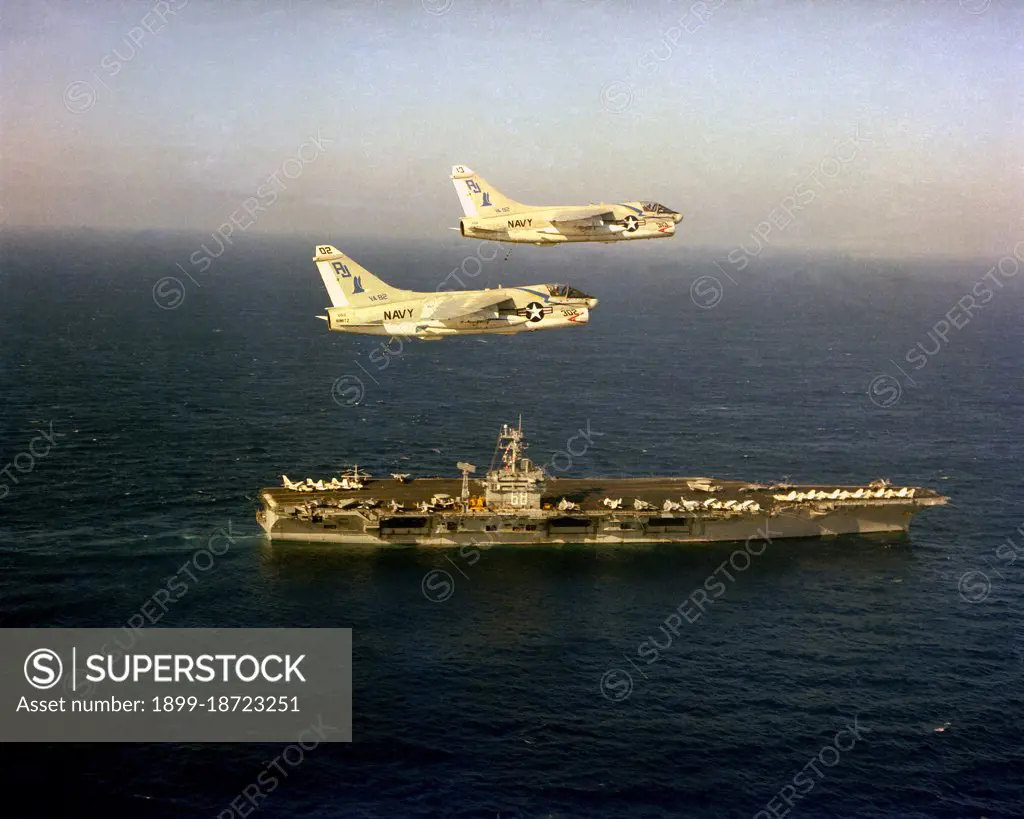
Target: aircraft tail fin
(349, 284)
(478, 196)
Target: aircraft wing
(575, 219)
(449, 307)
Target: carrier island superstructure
(518, 503)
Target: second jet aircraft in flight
(490, 215)
(362, 303)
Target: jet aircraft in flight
(363, 303)
(491, 215)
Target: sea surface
(531, 690)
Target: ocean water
(545, 685)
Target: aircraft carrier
(520, 504)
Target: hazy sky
(903, 122)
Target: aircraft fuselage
(518, 310)
(556, 225)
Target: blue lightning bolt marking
(535, 293)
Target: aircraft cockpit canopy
(566, 292)
(655, 208)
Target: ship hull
(453, 530)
